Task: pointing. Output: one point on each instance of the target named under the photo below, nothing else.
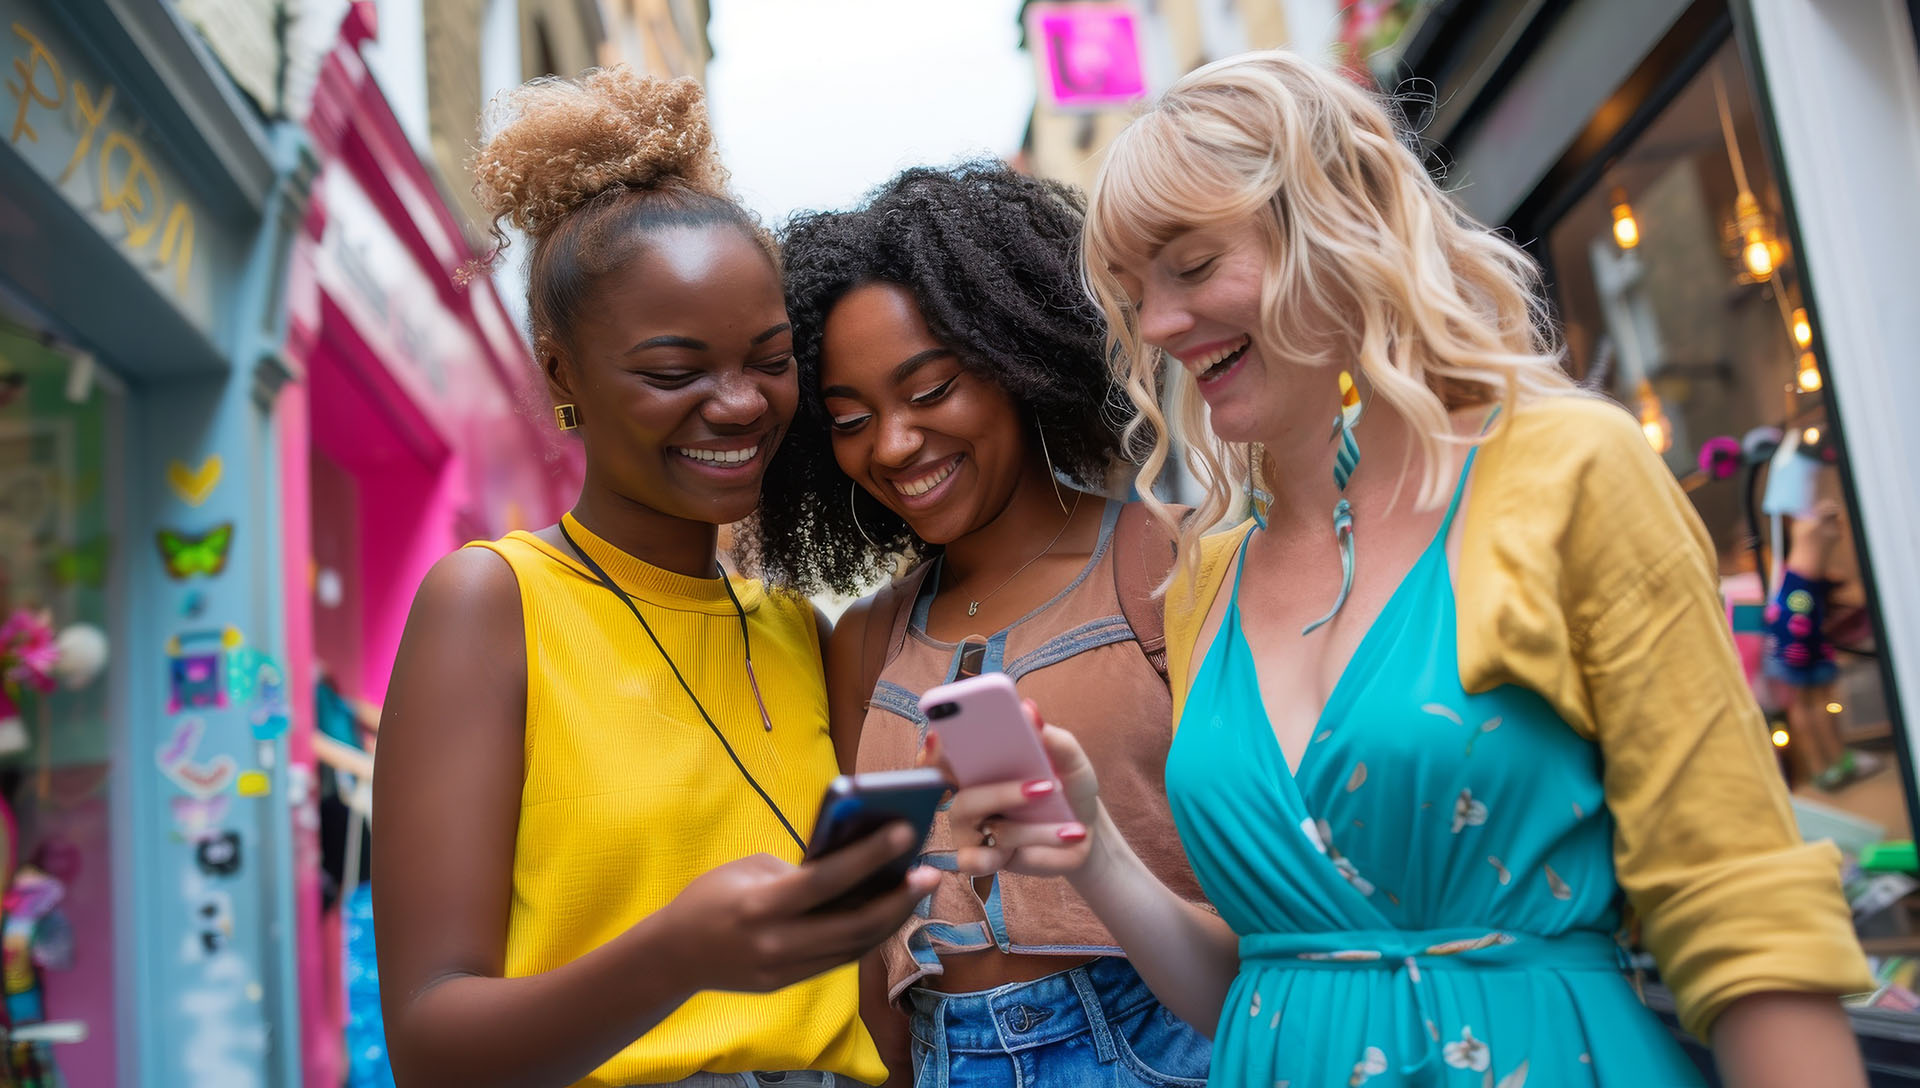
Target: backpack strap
(1143, 555)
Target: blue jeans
(1092, 1025)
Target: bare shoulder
(467, 579)
(464, 638)
(846, 641)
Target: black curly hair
(993, 259)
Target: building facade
(251, 387)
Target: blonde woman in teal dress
(1458, 705)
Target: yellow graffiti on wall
(129, 184)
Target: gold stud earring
(566, 416)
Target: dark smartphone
(856, 806)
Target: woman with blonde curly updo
(590, 818)
(1426, 741)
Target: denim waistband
(1028, 1014)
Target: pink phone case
(985, 737)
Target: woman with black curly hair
(955, 410)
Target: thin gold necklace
(973, 606)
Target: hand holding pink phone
(986, 738)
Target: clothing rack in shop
(353, 773)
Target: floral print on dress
(1321, 836)
(1556, 885)
(1468, 1052)
(1441, 710)
(1371, 1064)
(1468, 812)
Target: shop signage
(394, 304)
(80, 132)
(1089, 53)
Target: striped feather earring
(1346, 458)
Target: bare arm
(1187, 954)
(1782, 1040)
(448, 791)
(846, 654)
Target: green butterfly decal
(186, 556)
(84, 565)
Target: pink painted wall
(323, 1014)
(75, 819)
(335, 549)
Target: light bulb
(1834, 708)
(1656, 432)
(1626, 230)
(1758, 255)
(1780, 738)
(1810, 436)
(1808, 377)
(1802, 329)
(1653, 420)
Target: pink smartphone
(985, 737)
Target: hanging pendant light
(1626, 229)
(1653, 419)
(1807, 376)
(1759, 251)
(1802, 328)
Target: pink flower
(27, 650)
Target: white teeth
(926, 483)
(1212, 359)
(720, 457)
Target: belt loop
(996, 917)
(940, 1056)
(1103, 1046)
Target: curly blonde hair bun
(553, 144)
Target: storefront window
(56, 731)
(1682, 299)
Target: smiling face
(933, 442)
(682, 371)
(1198, 299)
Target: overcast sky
(816, 101)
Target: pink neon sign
(1090, 53)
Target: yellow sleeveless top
(628, 796)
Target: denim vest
(1079, 659)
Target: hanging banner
(1089, 54)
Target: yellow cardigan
(1585, 576)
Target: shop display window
(1682, 298)
(57, 734)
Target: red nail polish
(1039, 787)
(1072, 833)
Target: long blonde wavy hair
(1369, 265)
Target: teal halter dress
(1429, 899)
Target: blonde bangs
(1369, 266)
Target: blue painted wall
(121, 239)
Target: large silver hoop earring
(1052, 476)
(853, 492)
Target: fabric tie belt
(1407, 953)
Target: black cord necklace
(604, 579)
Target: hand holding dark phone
(856, 806)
